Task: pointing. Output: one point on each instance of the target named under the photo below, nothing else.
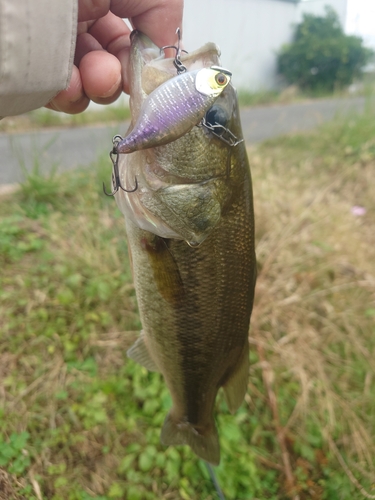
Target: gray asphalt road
(67, 149)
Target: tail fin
(206, 446)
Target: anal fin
(236, 386)
(139, 353)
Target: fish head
(184, 185)
(149, 68)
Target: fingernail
(112, 90)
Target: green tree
(322, 56)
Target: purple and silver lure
(174, 108)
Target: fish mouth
(148, 61)
(144, 46)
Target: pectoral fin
(236, 386)
(166, 273)
(139, 353)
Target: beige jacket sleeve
(37, 43)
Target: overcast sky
(361, 20)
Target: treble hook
(177, 60)
(115, 174)
(221, 132)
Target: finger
(85, 43)
(92, 9)
(111, 32)
(84, 27)
(123, 56)
(101, 76)
(72, 100)
(158, 19)
(114, 35)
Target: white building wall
(249, 33)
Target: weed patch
(80, 421)
(46, 118)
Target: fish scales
(190, 232)
(174, 161)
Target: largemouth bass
(190, 230)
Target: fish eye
(221, 79)
(217, 116)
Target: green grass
(247, 98)
(108, 114)
(365, 87)
(79, 421)
(45, 118)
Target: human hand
(100, 71)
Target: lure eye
(221, 79)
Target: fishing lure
(172, 110)
(175, 107)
